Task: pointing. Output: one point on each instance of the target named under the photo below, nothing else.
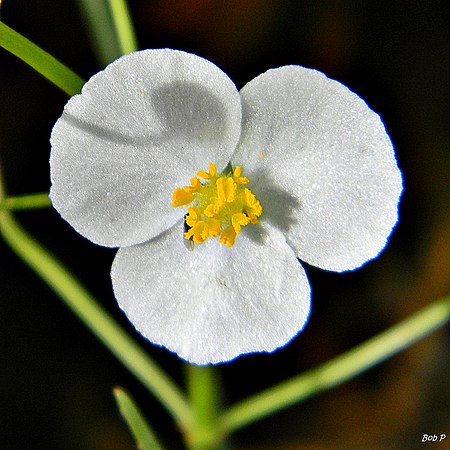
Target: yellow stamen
(211, 210)
(252, 205)
(226, 189)
(212, 169)
(198, 233)
(237, 176)
(219, 205)
(239, 220)
(215, 227)
(228, 237)
(181, 197)
(195, 185)
(193, 216)
(208, 175)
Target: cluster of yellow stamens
(218, 205)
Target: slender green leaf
(81, 302)
(111, 28)
(25, 202)
(338, 370)
(40, 60)
(123, 25)
(101, 29)
(140, 429)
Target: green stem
(81, 302)
(101, 29)
(40, 60)
(205, 400)
(143, 434)
(123, 25)
(24, 202)
(338, 370)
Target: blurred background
(56, 379)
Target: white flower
(318, 159)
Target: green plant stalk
(144, 436)
(339, 369)
(25, 202)
(123, 25)
(80, 301)
(204, 397)
(101, 29)
(40, 60)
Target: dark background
(56, 379)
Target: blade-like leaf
(107, 330)
(143, 435)
(25, 202)
(101, 30)
(41, 61)
(340, 369)
(123, 25)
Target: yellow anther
(249, 197)
(226, 189)
(195, 185)
(252, 204)
(242, 180)
(198, 233)
(212, 169)
(215, 227)
(211, 210)
(203, 229)
(181, 197)
(237, 176)
(228, 236)
(239, 220)
(219, 206)
(208, 175)
(193, 216)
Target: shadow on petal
(113, 136)
(188, 110)
(255, 233)
(183, 110)
(279, 206)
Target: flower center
(220, 204)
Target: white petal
(324, 166)
(214, 303)
(138, 130)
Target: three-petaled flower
(299, 167)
